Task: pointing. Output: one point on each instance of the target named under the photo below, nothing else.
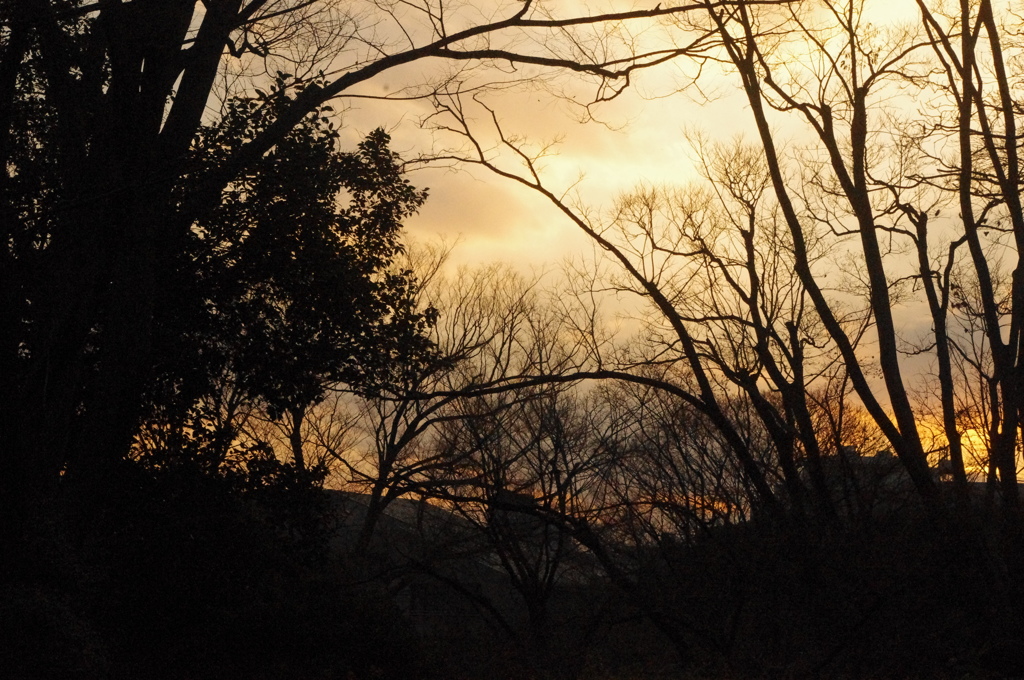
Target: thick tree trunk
(297, 416)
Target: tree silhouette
(282, 292)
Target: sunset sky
(497, 220)
(641, 139)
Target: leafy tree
(286, 289)
(290, 285)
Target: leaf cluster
(291, 285)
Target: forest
(768, 426)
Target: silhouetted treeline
(245, 432)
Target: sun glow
(976, 451)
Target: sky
(493, 219)
(639, 139)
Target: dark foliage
(290, 283)
(908, 596)
(194, 557)
(289, 286)
(183, 574)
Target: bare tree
(493, 340)
(863, 196)
(878, 199)
(729, 318)
(516, 464)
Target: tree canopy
(291, 285)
